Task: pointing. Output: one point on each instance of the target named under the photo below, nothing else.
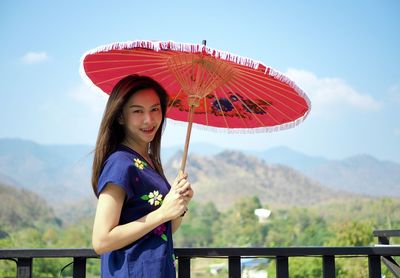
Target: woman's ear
(120, 119)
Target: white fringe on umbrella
(283, 78)
(175, 46)
(250, 130)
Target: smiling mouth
(148, 130)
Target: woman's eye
(137, 111)
(156, 109)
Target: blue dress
(152, 255)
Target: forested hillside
(21, 208)
(334, 223)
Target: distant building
(262, 214)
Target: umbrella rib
(281, 95)
(173, 101)
(290, 91)
(122, 75)
(234, 106)
(126, 67)
(253, 94)
(132, 52)
(222, 113)
(123, 61)
(239, 88)
(206, 111)
(173, 67)
(248, 108)
(216, 76)
(270, 82)
(256, 73)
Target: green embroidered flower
(139, 163)
(154, 198)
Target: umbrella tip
(204, 42)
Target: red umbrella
(207, 87)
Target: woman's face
(141, 116)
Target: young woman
(137, 209)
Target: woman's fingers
(184, 188)
(179, 180)
(174, 204)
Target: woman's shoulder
(121, 157)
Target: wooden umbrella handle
(187, 140)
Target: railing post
(79, 268)
(234, 267)
(184, 267)
(328, 267)
(282, 267)
(374, 266)
(24, 268)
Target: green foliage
(297, 227)
(352, 233)
(198, 227)
(331, 224)
(239, 226)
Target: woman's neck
(141, 149)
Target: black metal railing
(24, 258)
(384, 240)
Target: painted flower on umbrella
(222, 104)
(154, 198)
(160, 231)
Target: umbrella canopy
(211, 88)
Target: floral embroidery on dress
(154, 198)
(139, 163)
(160, 231)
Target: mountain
(21, 208)
(364, 173)
(195, 148)
(360, 174)
(57, 173)
(61, 173)
(228, 176)
(286, 156)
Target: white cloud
(329, 94)
(34, 57)
(90, 97)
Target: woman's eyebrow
(140, 106)
(135, 106)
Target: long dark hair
(111, 133)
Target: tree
(239, 226)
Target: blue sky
(343, 54)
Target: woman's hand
(176, 202)
(185, 189)
(183, 186)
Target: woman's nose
(148, 118)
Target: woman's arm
(108, 235)
(176, 223)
